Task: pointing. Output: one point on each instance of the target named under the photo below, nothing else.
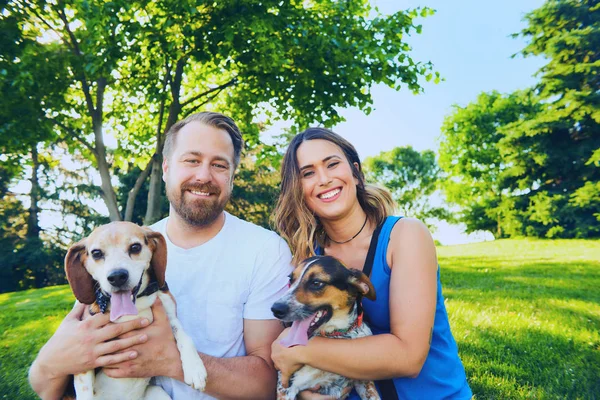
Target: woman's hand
(157, 356)
(78, 346)
(286, 359)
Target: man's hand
(286, 359)
(78, 346)
(158, 356)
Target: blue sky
(469, 43)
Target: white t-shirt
(236, 275)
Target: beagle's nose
(280, 309)
(118, 277)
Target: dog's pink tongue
(121, 304)
(298, 335)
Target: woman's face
(328, 186)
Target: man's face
(199, 173)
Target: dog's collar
(343, 332)
(153, 288)
(103, 300)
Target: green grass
(525, 314)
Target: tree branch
(72, 133)
(191, 110)
(75, 47)
(232, 82)
(136, 188)
(53, 29)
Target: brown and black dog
(324, 299)
(120, 268)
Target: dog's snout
(280, 309)
(118, 277)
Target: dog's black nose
(280, 309)
(118, 277)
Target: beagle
(324, 299)
(120, 268)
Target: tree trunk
(108, 192)
(33, 226)
(155, 191)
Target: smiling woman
(327, 208)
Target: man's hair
(214, 119)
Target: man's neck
(187, 236)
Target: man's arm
(254, 372)
(247, 377)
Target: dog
(324, 299)
(120, 268)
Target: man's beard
(197, 212)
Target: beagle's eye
(316, 284)
(135, 248)
(97, 254)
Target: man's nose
(203, 173)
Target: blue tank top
(443, 375)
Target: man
(225, 274)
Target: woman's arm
(412, 258)
(78, 346)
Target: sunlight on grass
(525, 314)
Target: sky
(469, 43)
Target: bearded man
(225, 274)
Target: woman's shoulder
(408, 232)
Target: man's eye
(97, 254)
(220, 166)
(135, 248)
(191, 161)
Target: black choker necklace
(357, 233)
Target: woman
(325, 207)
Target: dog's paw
(194, 372)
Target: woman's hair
(298, 225)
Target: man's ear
(165, 168)
(362, 283)
(79, 278)
(158, 245)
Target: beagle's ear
(362, 283)
(80, 280)
(158, 245)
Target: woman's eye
(97, 254)
(333, 164)
(307, 174)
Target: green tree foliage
(528, 163)
(412, 178)
(473, 162)
(133, 68)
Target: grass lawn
(525, 314)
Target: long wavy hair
(292, 218)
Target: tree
(134, 68)
(530, 159)
(552, 154)
(412, 177)
(473, 162)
